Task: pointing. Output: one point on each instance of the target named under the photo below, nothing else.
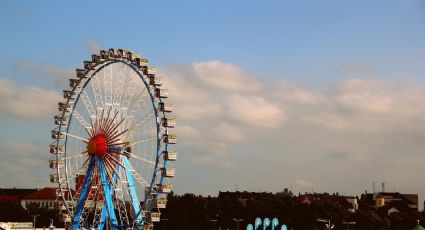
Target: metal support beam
(83, 195)
(107, 194)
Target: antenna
(374, 187)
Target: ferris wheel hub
(97, 145)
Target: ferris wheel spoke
(137, 176)
(119, 89)
(81, 119)
(97, 92)
(107, 81)
(129, 92)
(88, 103)
(141, 121)
(73, 156)
(143, 141)
(77, 137)
(141, 98)
(140, 158)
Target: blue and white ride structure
(110, 152)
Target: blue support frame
(104, 208)
(108, 207)
(83, 195)
(102, 217)
(132, 191)
(107, 194)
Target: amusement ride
(111, 159)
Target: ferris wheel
(110, 151)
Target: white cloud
(92, 46)
(23, 164)
(228, 132)
(224, 76)
(208, 160)
(27, 101)
(303, 183)
(60, 75)
(367, 96)
(294, 94)
(255, 111)
(358, 67)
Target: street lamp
(237, 222)
(34, 219)
(349, 223)
(213, 223)
(328, 223)
(164, 221)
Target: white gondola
(73, 82)
(168, 122)
(160, 203)
(54, 178)
(66, 218)
(129, 55)
(164, 188)
(170, 138)
(95, 58)
(142, 62)
(111, 52)
(120, 53)
(151, 71)
(170, 155)
(155, 81)
(104, 54)
(161, 93)
(62, 106)
(54, 164)
(165, 107)
(88, 65)
(57, 135)
(168, 172)
(55, 149)
(148, 226)
(81, 73)
(154, 216)
(68, 94)
(61, 120)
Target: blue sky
(295, 38)
(343, 82)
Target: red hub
(97, 145)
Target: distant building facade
(349, 202)
(14, 195)
(43, 198)
(392, 202)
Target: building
(14, 195)
(43, 198)
(391, 199)
(349, 202)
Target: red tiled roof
(42, 194)
(10, 198)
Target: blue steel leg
(107, 194)
(83, 195)
(132, 190)
(102, 217)
(104, 209)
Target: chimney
(383, 186)
(373, 187)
